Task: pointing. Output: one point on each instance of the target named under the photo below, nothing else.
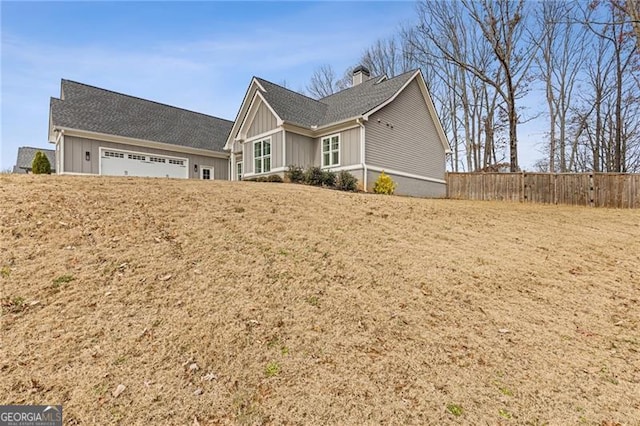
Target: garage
(128, 163)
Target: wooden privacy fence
(618, 190)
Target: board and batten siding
(75, 149)
(410, 186)
(276, 152)
(349, 147)
(300, 150)
(264, 121)
(402, 136)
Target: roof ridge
(141, 99)
(351, 87)
(35, 147)
(289, 90)
(377, 78)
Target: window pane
(335, 158)
(325, 145)
(258, 165)
(334, 143)
(267, 164)
(325, 159)
(267, 148)
(257, 149)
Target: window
(113, 154)
(177, 162)
(239, 170)
(206, 173)
(136, 157)
(156, 160)
(331, 151)
(262, 156)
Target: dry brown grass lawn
(250, 303)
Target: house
(26, 154)
(378, 124)
(100, 132)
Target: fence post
(446, 178)
(521, 198)
(592, 195)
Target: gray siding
(263, 122)
(349, 147)
(300, 150)
(75, 162)
(276, 152)
(237, 159)
(411, 186)
(412, 145)
(247, 157)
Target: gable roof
(351, 103)
(89, 108)
(302, 110)
(292, 107)
(26, 154)
(364, 97)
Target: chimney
(360, 74)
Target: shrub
(274, 178)
(314, 176)
(384, 185)
(295, 174)
(347, 181)
(328, 178)
(41, 164)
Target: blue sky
(194, 55)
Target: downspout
(362, 157)
(62, 152)
(232, 161)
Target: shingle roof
(26, 154)
(296, 108)
(292, 106)
(93, 109)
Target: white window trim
(241, 164)
(253, 152)
(322, 152)
(211, 170)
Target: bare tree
(390, 57)
(560, 59)
(443, 39)
(325, 82)
(613, 37)
(501, 28)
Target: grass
(455, 409)
(305, 309)
(62, 279)
(272, 369)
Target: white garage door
(114, 162)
